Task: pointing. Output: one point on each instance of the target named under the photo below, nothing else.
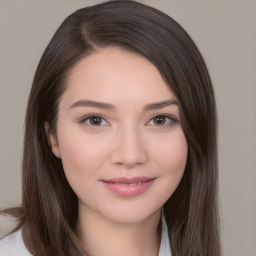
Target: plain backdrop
(225, 32)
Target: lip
(128, 186)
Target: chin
(132, 216)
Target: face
(119, 136)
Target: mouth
(128, 186)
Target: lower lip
(128, 190)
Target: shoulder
(13, 245)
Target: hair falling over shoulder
(49, 206)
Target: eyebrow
(102, 105)
(95, 104)
(162, 104)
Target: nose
(129, 148)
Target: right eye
(94, 120)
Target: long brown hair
(49, 205)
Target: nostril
(129, 148)
(129, 157)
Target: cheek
(171, 159)
(171, 156)
(81, 155)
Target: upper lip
(125, 180)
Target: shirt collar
(165, 249)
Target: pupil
(95, 120)
(159, 120)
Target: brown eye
(159, 120)
(95, 120)
(162, 121)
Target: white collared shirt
(165, 249)
(13, 244)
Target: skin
(128, 139)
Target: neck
(103, 237)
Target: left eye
(161, 120)
(95, 121)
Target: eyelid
(172, 119)
(86, 117)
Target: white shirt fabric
(13, 245)
(165, 249)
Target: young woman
(120, 141)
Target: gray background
(225, 32)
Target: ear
(52, 140)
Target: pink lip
(128, 186)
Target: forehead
(112, 72)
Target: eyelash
(88, 117)
(171, 120)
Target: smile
(128, 186)
(125, 184)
